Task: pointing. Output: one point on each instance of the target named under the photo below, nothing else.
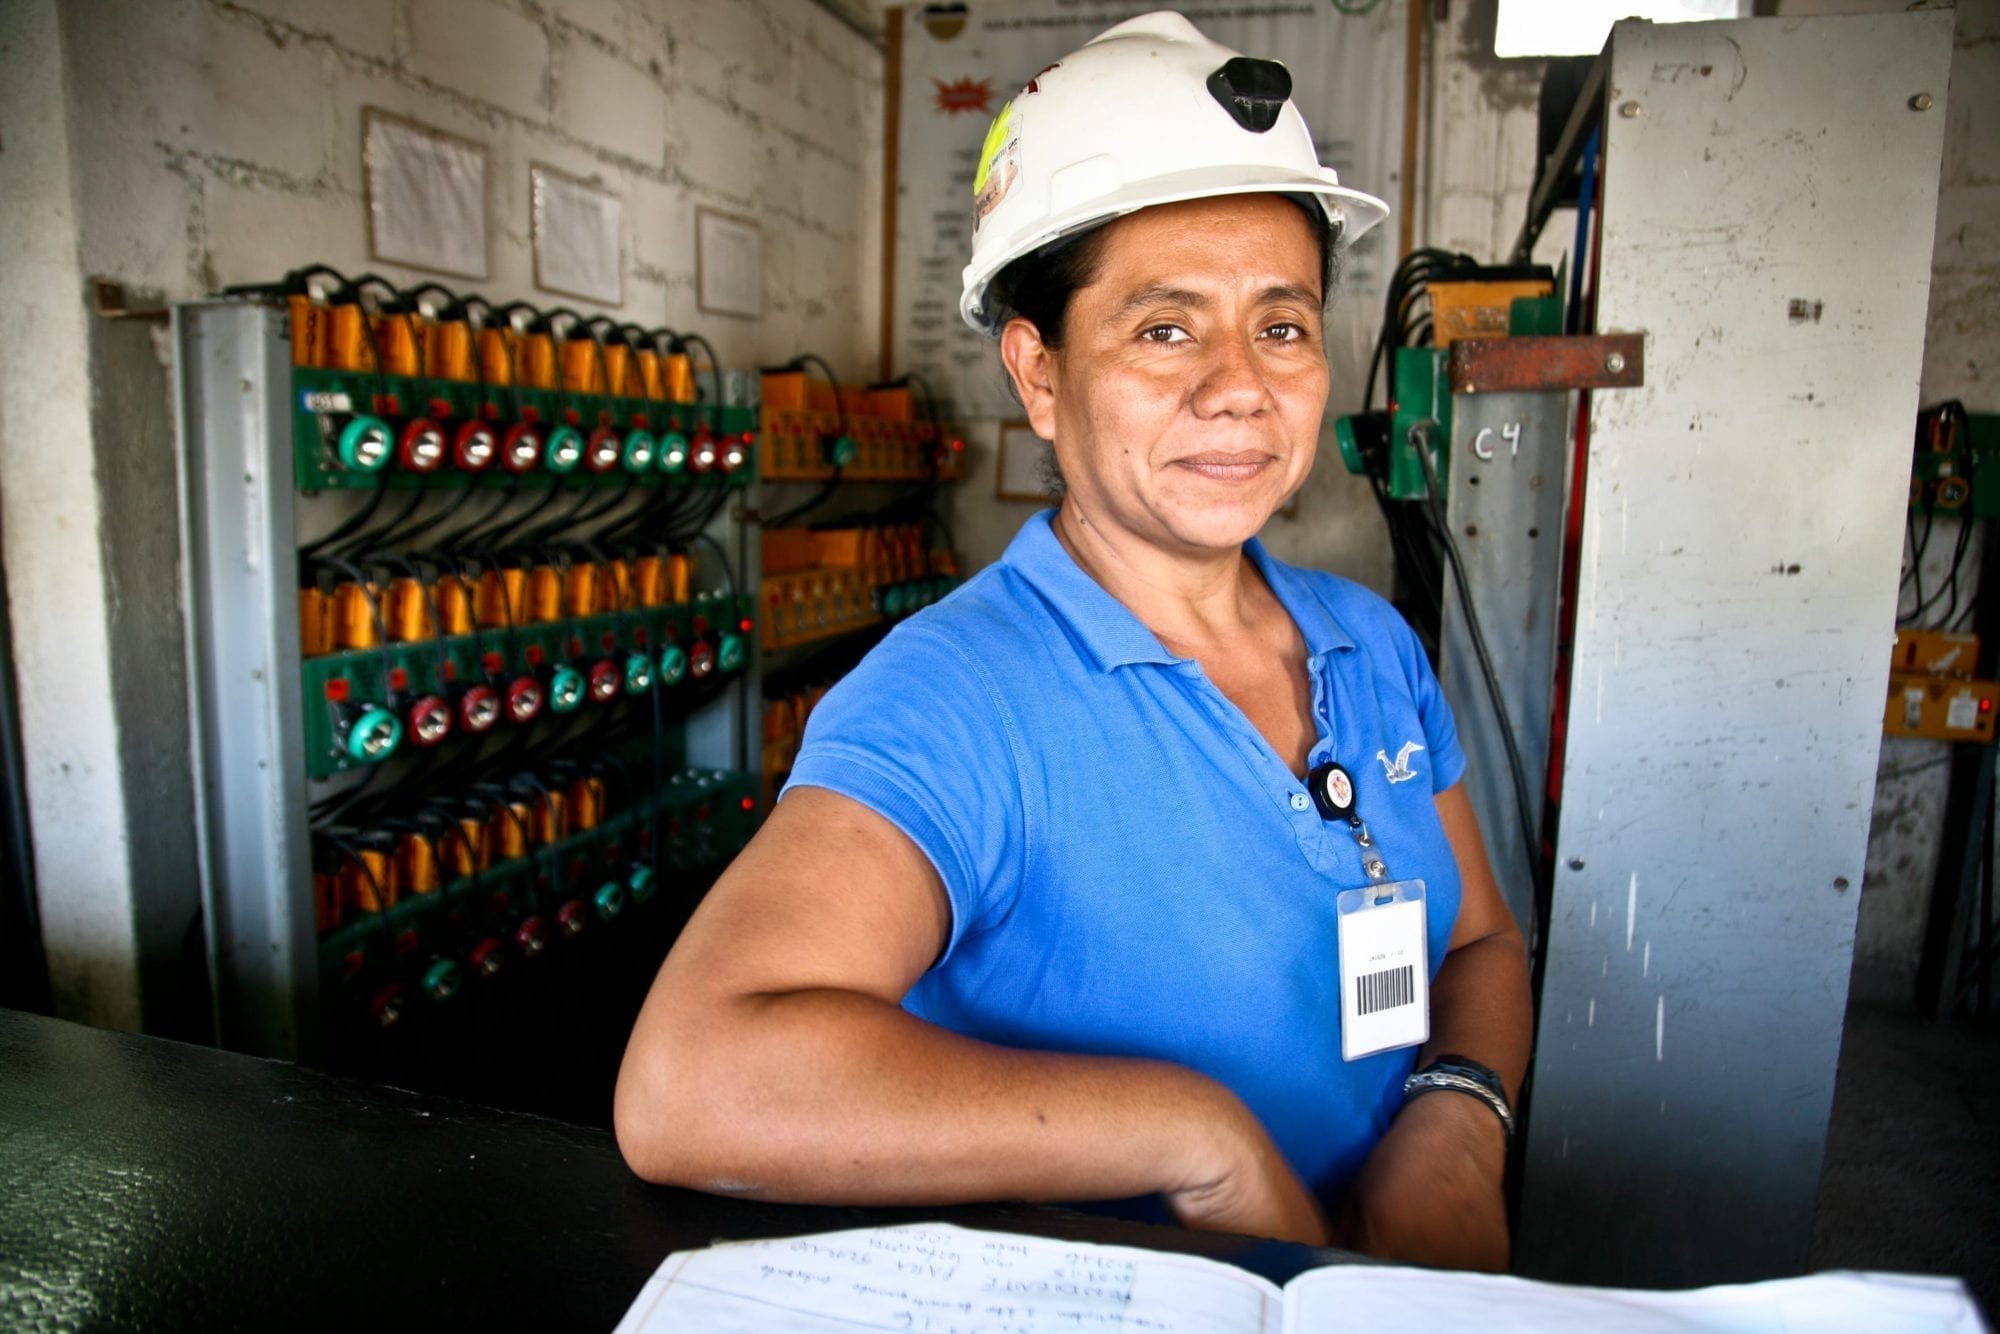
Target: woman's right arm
(773, 1059)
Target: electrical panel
(1956, 467)
(1933, 691)
(486, 558)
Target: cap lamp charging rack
(491, 739)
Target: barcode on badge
(1385, 990)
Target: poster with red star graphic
(961, 64)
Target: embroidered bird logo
(1399, 769)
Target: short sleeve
(918, 735)
(1433, 710)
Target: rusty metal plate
(1531, 364)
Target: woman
(1051, 907)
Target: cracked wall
(224, 141)
(180, 146)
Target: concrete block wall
(178, 146)
(225, 141)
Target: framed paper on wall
(728, 264)
(576, 229)
(426, 195)
(1022, 472)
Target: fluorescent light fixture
(1580, 27)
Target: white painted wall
(183, 145)
(48, 514)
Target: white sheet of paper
(930, 1278)
(933, 1278)
(729, 261)
(576, 229)
(1369, 1298)
(426, 196)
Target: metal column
(1769, 198)
(233, 381)
(1505, 508)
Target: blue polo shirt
(1131, 867)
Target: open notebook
(932, 1278)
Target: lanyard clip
(1332, 789)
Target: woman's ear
(1031, 366)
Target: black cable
(728, 571)
(1516, 769)
(396, 537)
(810, 504)
(363, 541)
(1919, 546)
(360, 518)
(714, 365)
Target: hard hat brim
(1351, 212)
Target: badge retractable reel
(1384, 964)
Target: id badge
(1385, 994)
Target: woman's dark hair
(1039, 286)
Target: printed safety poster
(962, 63)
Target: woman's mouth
(1227, 466)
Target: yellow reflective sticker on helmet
(996, 137)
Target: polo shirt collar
(1114, 636)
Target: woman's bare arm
(772, 1058)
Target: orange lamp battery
(620, 378)
(400, 342)
(586, 803)
(680, 578)
(406, 611)
(585, 368)
(680, 377)
(784, 391)
(511, 829)
(309, 329)
(544, 594)
(652, 375)
(454, 604)
(315, 622)
(501, 599)
(354, 615)
(417, 863)
(580, 589)
(496, 360)
(472, 850)
(551, 808)
(369, 880)
(535, 360)
(347, 343)
(649, 581)
(448, 351)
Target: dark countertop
(155, 1185)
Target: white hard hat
(1148, 112)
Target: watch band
(1459, 1074)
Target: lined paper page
(933, 1278)
(1369, 1298)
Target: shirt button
(1300, 801)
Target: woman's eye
(1285, 332)
(1164, 333)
